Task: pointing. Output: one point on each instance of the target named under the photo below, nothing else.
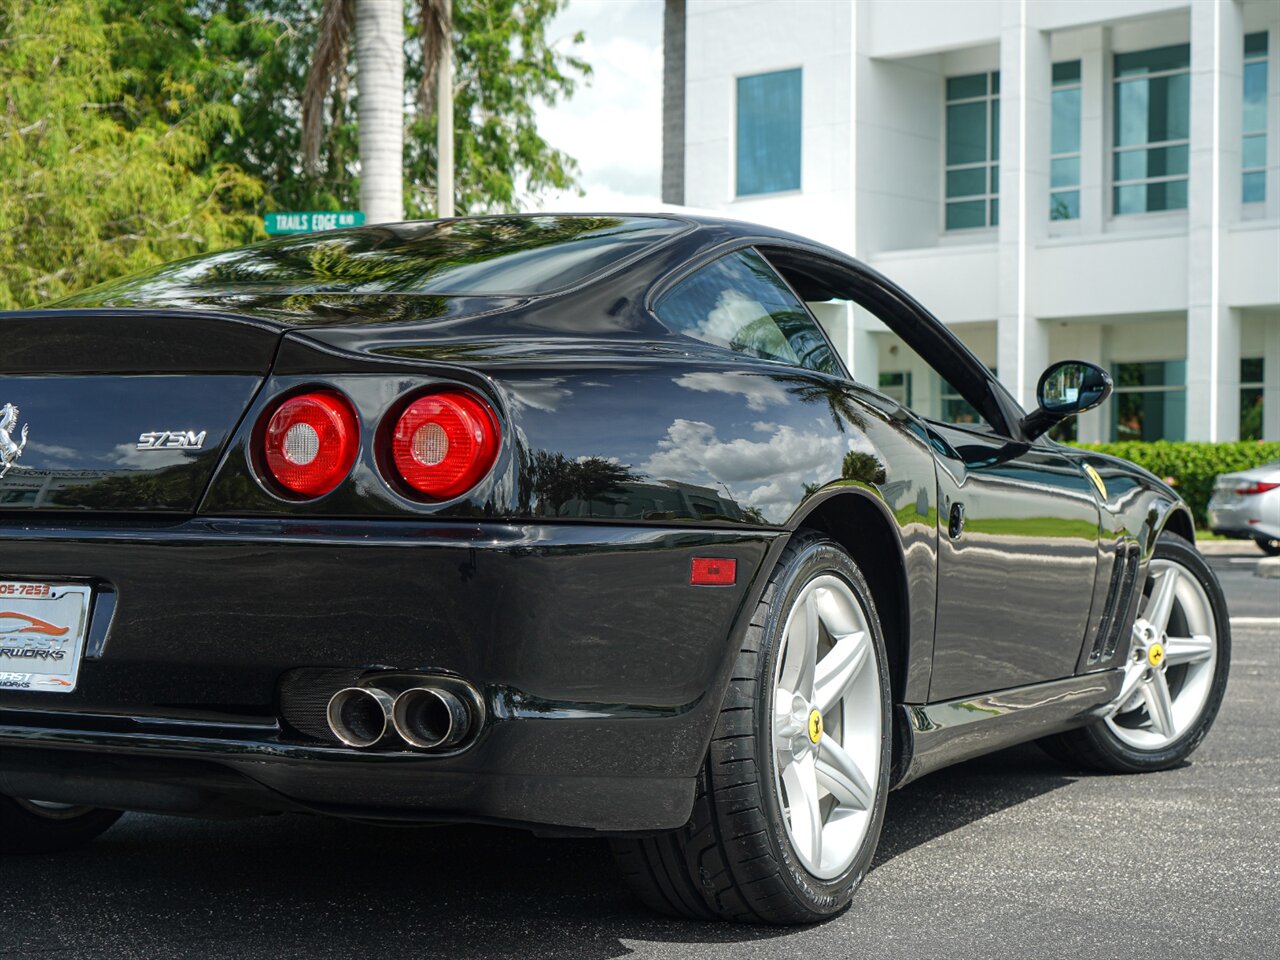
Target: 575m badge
(172, 440)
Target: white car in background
(1247, 505)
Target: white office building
(1093, 179)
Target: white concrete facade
(1199, 285)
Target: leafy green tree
(107, 160)
(503, 65)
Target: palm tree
(378, 26)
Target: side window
(883, 359)
(738, 302)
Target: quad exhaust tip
(360, 716)
(425, 717)
(430, 718)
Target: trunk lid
(110, 411)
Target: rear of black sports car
(273, 549)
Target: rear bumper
(1245, 520)
(601, 667)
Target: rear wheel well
(855, 523)
(1179, 522)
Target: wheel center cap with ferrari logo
(815, 726)
(1155, 654)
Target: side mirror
(1067, 388)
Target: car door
(1018, 522)
(1017, 560)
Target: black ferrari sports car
(574, 523)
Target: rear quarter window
(739, 303)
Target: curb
(1268, 569)
(1228, 548)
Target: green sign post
(310, 221)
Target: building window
(769, 133)
(1152, 129)
(896, 385)
(1251, 398)
(955, 409)
(1150, 401)
(973, 151)
(1254, 149)
(1064, 149)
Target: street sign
(309, 221)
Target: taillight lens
(444, 443)
(311, 442)
(1252, 489)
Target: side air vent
(1117, 613)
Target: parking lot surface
(1006, 856)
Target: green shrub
(1190, 468)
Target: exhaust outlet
(430, 718)
(360, 716)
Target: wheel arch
(860, 524)
(1178, 520)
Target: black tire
(1270, 547)
(28, 828)
(733, 860)
(1096, 747)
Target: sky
(613, 126)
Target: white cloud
(774, 469)
(613, 126)
(759, 391)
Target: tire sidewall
(1174, 548)
(814, 559)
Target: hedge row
(1190, 468)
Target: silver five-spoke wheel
(1170, 669)
(826, 726)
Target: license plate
(42, 630)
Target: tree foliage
(133, 132)
(106, 158)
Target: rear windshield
(491, 256)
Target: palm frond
(333, 50)
(435, 26)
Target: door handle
(955, 521)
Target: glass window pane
(738, 302)
(1149, 197)
(1156, 162)
(1251, 370)
(995, 129)
(1175, 57)
(1255, 152)
(971, 181)
(966, 133)
(995, 212)
(1065, 137)
(1152, 111)
(768, 151)
(1251, 413)
(995, 179)
(967, 214)
(995, 81)
(1255, 44)
(1064, 172)
(1067, 72)
(1253, 187)
(962, 88)
(1255, 97)
(1064, 205)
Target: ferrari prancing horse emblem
(10, 451)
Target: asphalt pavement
(1008, 856)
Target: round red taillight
(311, 442)
(444, 443)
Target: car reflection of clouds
(775, 469)
(128, 455)
(544, 395)
(56, 456)
(759, 391)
